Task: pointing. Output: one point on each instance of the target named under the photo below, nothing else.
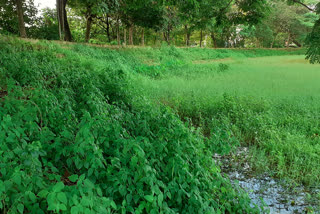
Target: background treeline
(221, 23)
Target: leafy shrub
(75, 137)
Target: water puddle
(275, 195)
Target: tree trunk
(108, 29)
(297, 43)
(201, 39)
(187, 35)
(22, 27)
(168, 35)
(60, 18)
(67, 32)
(131, 34)
(273, 40)
(288, 41)
(155, 40)
(88, 28)
(214, 40)
(118, 31)
(114, 29)
(142, 37)
(64, 29)
(125, 37)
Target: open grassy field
(135, 130)
(271, 103)
(280, 77)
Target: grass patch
(270, 103)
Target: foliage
(46, 26)
(314, 41)
(8, 17)
(76, 136)
(222, 23)
(274, 112)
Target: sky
(45, 3)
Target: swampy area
(157, 130)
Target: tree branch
(223, 9)
(306, 6)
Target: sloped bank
(75, 137)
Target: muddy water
(274, 195)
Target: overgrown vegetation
(87, 129)
(75, 136)
(273, 111)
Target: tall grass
(269, 103)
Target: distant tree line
(220, 23)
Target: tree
(22, 27)
(90, 9)
(64, 29)
(144, 14)
(313, 40)
(293, 22)
(25, 15)
(46, 26)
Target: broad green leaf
(129, 198)
(88, 184)
(51, 198)
(113, 205)
(90, 172)
(32, 197)
(17, 179)
(160, 199)
(51, 207)
(43, 193)
(74, 210)
(99, 192)
(62, 207)
(169, 195)
(62, 197)
(149, 198)
(20, 208)
(87, 211)
(85, 201)
(73, 178)
(134, 161)
(122, 190)
(58, 187)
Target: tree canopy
(221, 23)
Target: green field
(270, 103)
(87, 129)
(279, 77)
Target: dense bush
(75, 136)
